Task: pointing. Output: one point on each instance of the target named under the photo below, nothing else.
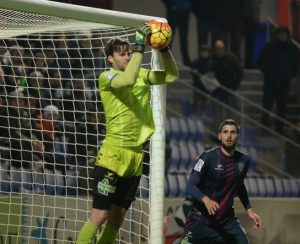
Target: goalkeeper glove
(141, 35)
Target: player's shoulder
(143, 76)
(144, 73)
(209, 154)
(205, 158)
(108, 74)
(241, 155)
(144, 70)
(211, 151)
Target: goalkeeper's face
(120, 59)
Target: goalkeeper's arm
(170, 72)
(129, 76)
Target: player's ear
(219, 136)
(110, 59)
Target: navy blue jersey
(220, 178)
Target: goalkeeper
(125, 94)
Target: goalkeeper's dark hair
(229, 122)
(116, 44)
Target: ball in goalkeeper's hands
(161, 34)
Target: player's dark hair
(229, 122)
(116, 44)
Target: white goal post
(34, 19)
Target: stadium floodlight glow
(39, 31)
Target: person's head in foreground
(228, 134)
(204, 51)
(51, 113)
(118, 53)
(219, 48)
(282, 34)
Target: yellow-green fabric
(126, 162)
(108, 236)
(87, 233)
(129, 120)
(168, 75)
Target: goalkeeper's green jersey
(129, 120)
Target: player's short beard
(228, 148)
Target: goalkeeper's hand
(141, 34)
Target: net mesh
(13, 25)
(51, 126)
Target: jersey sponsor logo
(199, 165)
(109, 76)
(219, 167)
(105, 188)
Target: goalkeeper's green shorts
(125, 162)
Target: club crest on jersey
(199, 165)
(241, 166)
(219, 167)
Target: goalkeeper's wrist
(138, 48)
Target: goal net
(52, 123)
